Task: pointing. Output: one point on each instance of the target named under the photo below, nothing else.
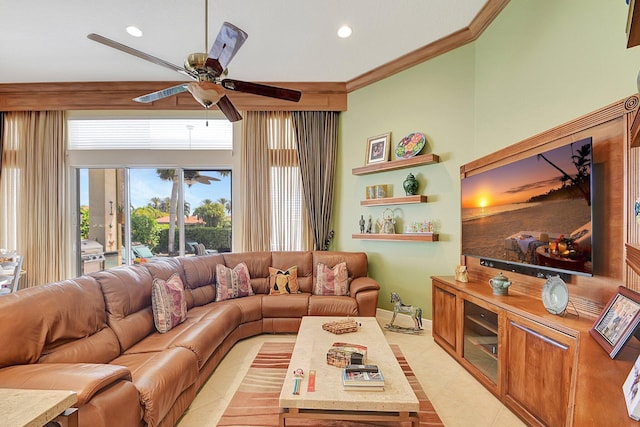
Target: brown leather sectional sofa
(95, 334)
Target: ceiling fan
(209, 71)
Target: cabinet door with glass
(480, 347)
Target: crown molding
(446, 44)
(316, 96)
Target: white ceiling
(289, 40)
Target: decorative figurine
(361, 222)
(462, 275)
(414, 312)
(410, 185)
(369, 225)
(298, 375)
(388, 225)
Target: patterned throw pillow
(283, 282)
(331, 281)
(232, 283)
(168, 303)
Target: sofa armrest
(86, 379)
(360, 284)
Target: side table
(35, 408)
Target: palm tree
(171, 175)
(155, 202)
(226, 204)
(582, 161)
(190, 177)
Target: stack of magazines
(362, 378)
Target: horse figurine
(400, 307)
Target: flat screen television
(533, 215)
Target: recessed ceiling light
(134, 31)
(344, 31)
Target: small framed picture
(630, 388)
(618, 321)
(378, 148)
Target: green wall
(539, 64)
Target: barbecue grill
(92, 255)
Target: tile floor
(459, 399)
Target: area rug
(255, 403)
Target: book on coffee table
(362, 380)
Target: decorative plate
(410, 145)
(555, 295)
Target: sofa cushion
(320, 305)
(356, 261)
(168, 303)
(295, 305)
(86, 379)
(283, 282)
(301, 259)
(250, 307)
(232, 282)
(160, 378)
(258, 264)
(202, 332)
(127, 296)
(67, 316)
(331, 281)
(200, 270)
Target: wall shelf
(424, 159)
(394, 200)
(416, 237)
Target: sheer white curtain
(35, 218)
(274, 215)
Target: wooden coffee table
(397, 402)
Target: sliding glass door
(137, 215)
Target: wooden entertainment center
(547, 368)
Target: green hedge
(212, 238)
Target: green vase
(410, 185)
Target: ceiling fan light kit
(209, 71)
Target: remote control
(361, 368)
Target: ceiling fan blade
(228, 109)
(263, 90)
(228, 42)
(135, 52)
(164, 93)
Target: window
(144, 133)
(170, 197)
(164, 217)
(288, 232)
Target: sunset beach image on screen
(519, 212)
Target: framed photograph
(618, 321)
(378, 148)
(630, 389)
